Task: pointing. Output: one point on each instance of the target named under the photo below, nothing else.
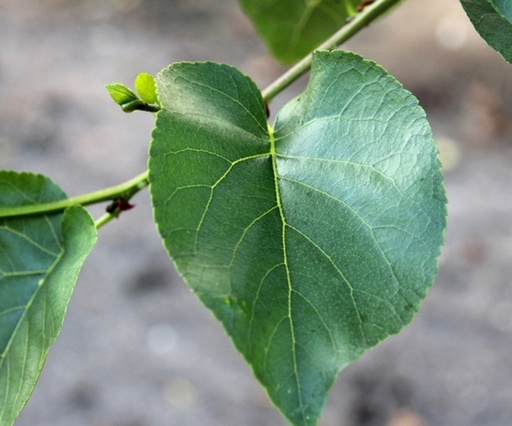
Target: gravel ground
(137, 348)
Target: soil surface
(137, 348)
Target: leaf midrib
(273, 155)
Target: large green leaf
(293, 28)
(493, 21)
(311, 241)
(40, 258)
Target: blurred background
(137, 348)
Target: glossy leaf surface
(40, 258)
(293, 28)
(493, 21)
(311, 241)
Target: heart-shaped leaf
(493, 21)
(293, 28)
(40, 258)
(311, 241)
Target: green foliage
(145, 87)
(129, 101)
(493, 21)
(293, 28)
(312, 240)
(120, 93)
(40, 257)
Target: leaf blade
(145, 86)
(120, 94)
(39, 262)
(493, 21)
(236, 211)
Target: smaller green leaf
(492, 19)
(40, 258)
(145, 86)
(120, 93)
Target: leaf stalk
(124, 190)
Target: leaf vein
(257, 296)
(224, 94)
(338, 271)
(358, 215)
(25, 237)
(287, 270)
(320, 317)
